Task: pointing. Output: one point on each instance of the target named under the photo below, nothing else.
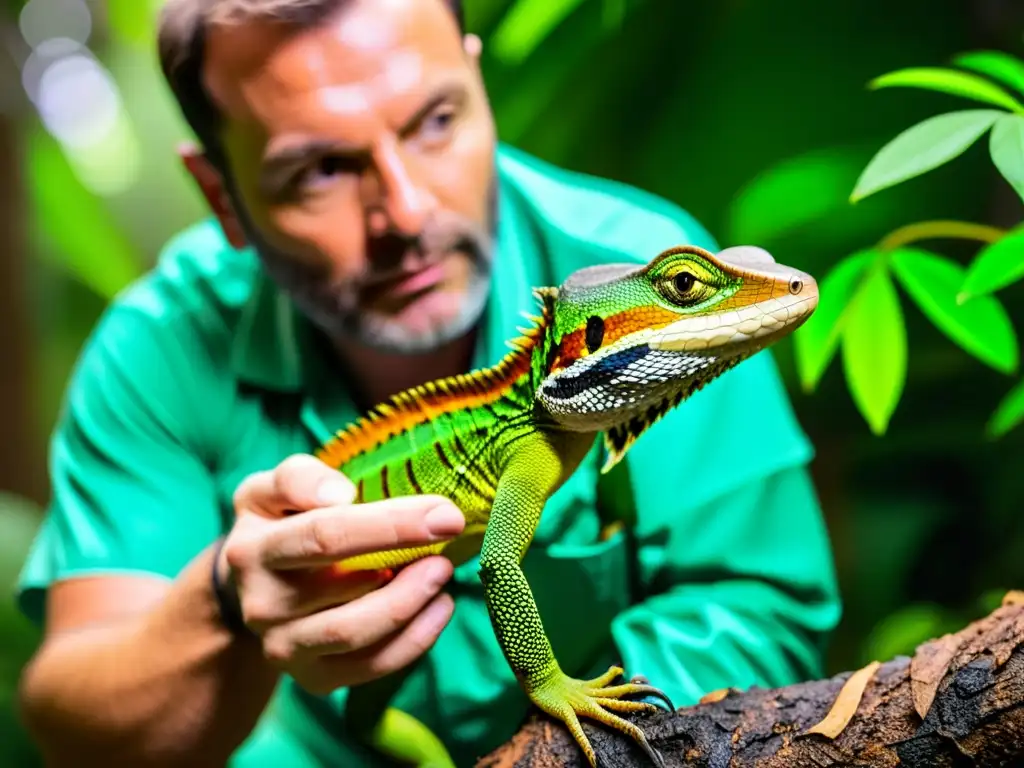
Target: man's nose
(404, 198)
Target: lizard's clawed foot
(566, 698)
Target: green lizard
(613, 349)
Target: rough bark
(958, 702)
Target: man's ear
(473, 46)
(212, 186)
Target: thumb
(299, 483)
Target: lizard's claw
(566, 698)
(644, 686)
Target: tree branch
(958, 702)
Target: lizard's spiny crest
(421, 404)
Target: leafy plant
(860, 304)
(19, 519)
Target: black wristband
(227, 598)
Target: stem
(932, 230)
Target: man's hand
(324, 630)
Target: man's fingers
(254, 493)
(403, 649)
(299, 483)
(304, 482)
(270, 598)
(320, 588)
(322, 536)
(361, 623)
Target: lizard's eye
(685, 289)
(684, 282)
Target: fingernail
(334, 491)
(439, 612)
(438, 573)
(444, 520)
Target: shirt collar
(266, 347)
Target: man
(371, 234)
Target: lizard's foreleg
(531, 475)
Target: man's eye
(326, 169)
(439, 122)
(330, 166)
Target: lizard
(612, 350)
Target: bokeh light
(42, 20)
(76, 98)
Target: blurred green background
(753, 115)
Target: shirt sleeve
(735, 562)
(130, 490)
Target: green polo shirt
(200, 374)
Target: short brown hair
(181, 40)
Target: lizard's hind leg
(388, 731)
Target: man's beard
(335, 308)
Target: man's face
(361, 167)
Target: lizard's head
(628, 343)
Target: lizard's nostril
(796, 285)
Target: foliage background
(754, 116)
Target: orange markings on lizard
(574, 345)
(424, 403)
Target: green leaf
(875, 349)
(980, 326)
(1006, 146)
(526, 25)
(998, 65)
(923, 147)
(990, 599)
(948, 81)
(793, 193)
(133, 21)
(613, 13)
(996, 266)
(19, 518)
(816, 340)
(85, 238)
(530, 88)
(902, 631)
(1009, 413)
